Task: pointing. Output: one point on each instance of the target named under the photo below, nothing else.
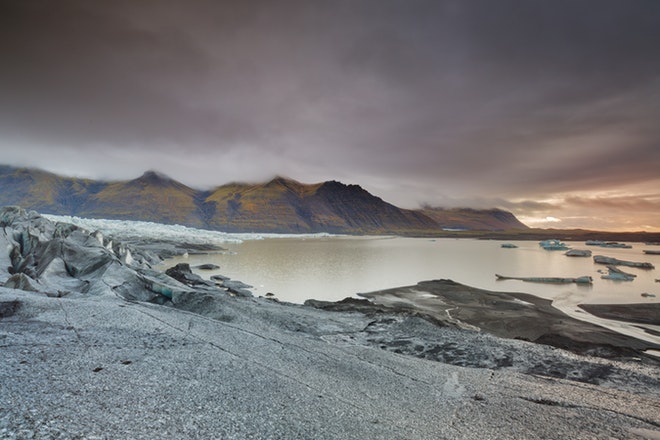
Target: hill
(93, 347)
(151, 197)
(285, 204)
(45, 192)
(280, 205)
(473, 219)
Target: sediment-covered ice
(127, 229)
(89, 355)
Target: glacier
(132, 229)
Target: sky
(548, 109)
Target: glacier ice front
(131, 229)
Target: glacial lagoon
(331, 268)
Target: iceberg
(559, 280)
(601, 259)
(578, 253)
(553, 245)
(616, 274)
(607, 244)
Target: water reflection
(332, 268)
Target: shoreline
(444, 301)
(299, 271)
(633, 313)
(503, 314)
(533, 234)
(218, 366)
(530, 234)
(97, 344)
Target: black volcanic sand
(507, 315)
(637, 313)
(237, 368)
(98, 345)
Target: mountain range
(279, 205)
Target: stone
(207, 266)
(182, 273)
(23, 282)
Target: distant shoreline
(543, 234)
(517, 234)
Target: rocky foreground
(95, 344)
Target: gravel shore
(95, 345)
(110, 368)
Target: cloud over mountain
(512, 100)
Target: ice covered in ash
(130, 229)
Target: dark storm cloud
(77, 75)
(496, 99)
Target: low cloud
(484, 101)
(641, 203)
(594, 212)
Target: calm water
(332, 268)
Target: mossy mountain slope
(473, 219)
(151, 197)
(284, 204)
(45, 192)
(280, 205)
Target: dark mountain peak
(279, 205)
(339, 186)
(473, 218)
(24, 171)
(335, 188)
(4, 169)
(152, 176)
(289, 185)
(156, 179)
(332, 185)
(282, 181)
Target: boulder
(207, 266)
(182, 273)
(237, 288)
(22, 282)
